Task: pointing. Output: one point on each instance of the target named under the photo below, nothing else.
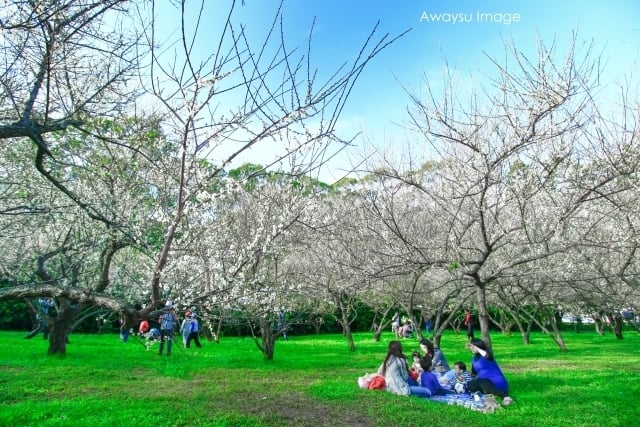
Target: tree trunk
(376, 334)
(214, 330)
(437, 337)
(598, 325)
(349, 336)
(557, 338)
(557, 335)
(216, 337)
(617, 325)
(268, 338)
(456, 325)
(59, 332)
(379, 327)
(267, 341)
(554, 334)
(317, 324)
(483, 314)
(524, 333)
(527, 336)
(346, 325)
(502, 322)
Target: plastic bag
(377, 383)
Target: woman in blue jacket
(489, 378)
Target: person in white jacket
(185, 327)
(395, 371)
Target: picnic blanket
(476, 402)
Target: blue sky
(378, 103)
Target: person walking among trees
(124, 329)
(193, 331)
(468, 322)
(428, 324)
(185, 328)
(168, 323)
(395, 324)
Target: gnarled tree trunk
(59, 328)
(268, 338)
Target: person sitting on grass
(416, 369)
(396, 374)
(428, 383)
(406, 330)
(439, 362)
(457, 379)
(151, 337)
(394, 370)
(154, 334)
(489, 378)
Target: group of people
(402, 326)
(189, 329)
(430, 374)
(168, 321)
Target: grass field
(311, 382)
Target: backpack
(167, 321)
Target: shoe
(507, 401)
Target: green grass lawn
(311, 382)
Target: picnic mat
(482, 403)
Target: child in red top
(144, 327)
(416, 369)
